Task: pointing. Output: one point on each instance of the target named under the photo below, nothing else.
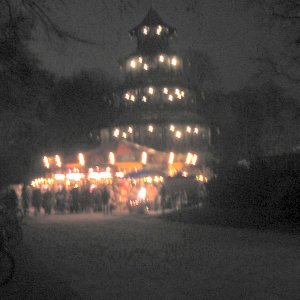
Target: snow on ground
(143, 257)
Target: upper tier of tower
(152, 34)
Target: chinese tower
(158, 109)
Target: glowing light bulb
(145, 30)
(133, 64)
(174, 61)
(116, 132)
(140, 59)
(124, 135)
(150, 128)
(165, 91)
(132, 98)
(144, 99)
(158, 30)
(170, 97)
(150, 90)
(161, 58)
(194, 160)
(172, 128)
(178, 134)
(196, 130)
(189, 129)
(146, 67)
(130, 129)
(127, 96)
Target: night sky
(228, 31)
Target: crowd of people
(73, 200)
(104, 198)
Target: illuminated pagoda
(158, 108)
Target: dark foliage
(269, 188)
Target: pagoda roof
(152, 19)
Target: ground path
(91, 256)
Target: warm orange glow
(146, 67)
(150, 128)
(174, 61)
(172, 128)
(161, 58)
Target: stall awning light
(171, 158)
(81, 159)
(189, 158)
(194, 160)
(58, 161)
(46, 162)
(144, 157)
(111, 158)
(59, 177)
(99, 175)
(75, 176)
